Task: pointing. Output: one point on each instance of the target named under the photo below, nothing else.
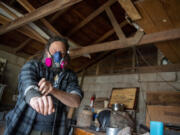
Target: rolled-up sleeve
(28, 80)
(73, 86)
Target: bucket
(156, 128)
(112, 131)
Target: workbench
(87, 131)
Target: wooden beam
(130, 9)
(4, 20)
(37, 14)
(30, 9)
(115, 24)
(26, 30)
(32, 25)
(91, 16)
(109, 33)
(94, 61)
(21, 46)
(147, 69)
(164, 17)
(8, 11)
(151, 69)
(26, 5)
(129, 42)
(103, 55)
(97, 69)
(160, 36)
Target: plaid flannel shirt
(19, 121)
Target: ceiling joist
(37, 14)
(115, 24)
(91, 16)
(109, 33)
(130, 9)
(26, 30)
(30, 9)
(129, 42)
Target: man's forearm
(71, 100)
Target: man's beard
(55, 69)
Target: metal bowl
(118, 107)
(112, 131)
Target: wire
(140, 86)
(175, 88)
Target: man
(45, 87)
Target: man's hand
(43, 105)
(45, 87)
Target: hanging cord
(168, 83)
(128, 19)
(140, 85)
(139, 29)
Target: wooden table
(86, 131)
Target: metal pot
(112, 131)
(117, 107)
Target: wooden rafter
(109, 33)
(30, 9)
(103, 55)
(152, 69)
(91, 16)
(4, 20)
(130, 9)
(8, 11)
(37, 14)
(26, 30)
(129, 42)
(164, 17)
(115, 24)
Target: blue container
(156, 128)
